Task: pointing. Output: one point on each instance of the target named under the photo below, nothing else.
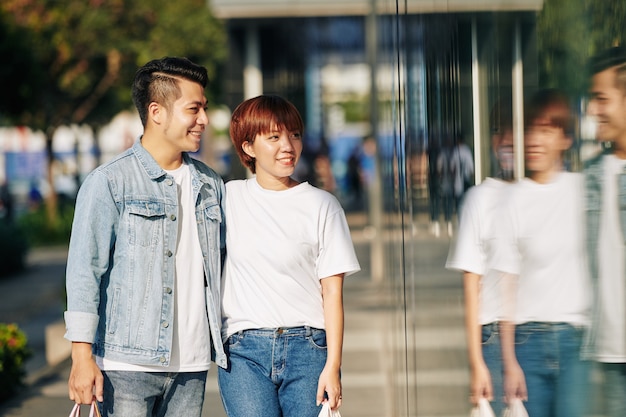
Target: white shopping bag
(327, 412)
(482, 409)
(515, 409)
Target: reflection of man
(606, 223)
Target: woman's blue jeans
(273, 372)
(492, 355)
(557, 379)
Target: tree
(569, 32)
(73, 61)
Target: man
(605, 178)
(143, 292)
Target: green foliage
(13, 354)
(77, 58)
(13, 248)
(40, 231)
(569, 32)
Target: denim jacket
(594, 178)
(120, 269)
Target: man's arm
(85, 375)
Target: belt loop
(308, 331)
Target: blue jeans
(492, 355)
(614, 388)
(157, 394)
(557, 379)
(273, 372)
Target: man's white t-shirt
(542, 241)
(474, 248)
(280, 244)
(610, 342)
(191, 344)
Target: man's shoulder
(204, 169)
(594, 162)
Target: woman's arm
(480, 382)
(329, 381)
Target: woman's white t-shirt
(280, 244)
(542, 241)
(474, 247)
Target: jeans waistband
(548, 326)
(281, 331)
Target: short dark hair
(614, 57)
(608, 58)
(553, 106)
(157, 81)
(260, 115)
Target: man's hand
(86, 380)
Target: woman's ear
(247, 148)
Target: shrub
(13, 354)
(41, 232)
(13, 248)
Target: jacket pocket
(145, 222)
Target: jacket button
(172, 217)
(168, 253)
(169, 181)
(162, 359)
(168, 290)
(165, 325)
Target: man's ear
(247, 148)
(155, 112)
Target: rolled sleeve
(80, 327)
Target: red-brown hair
(260, 115)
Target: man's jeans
(153, 394)
(557, 379)
(273, 372)
(492, 355)
(614, 388)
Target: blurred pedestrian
(472, 253)
(541, 244)
(143, 273)
(289, 248)
(605, 178)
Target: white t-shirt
(279, 245)
(474, 247)
(191, 343)
(542, 241)
(610, 337)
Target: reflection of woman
(542, 245)
(472, 254)
(289, 248)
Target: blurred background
(383, 86)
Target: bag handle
(94, 411)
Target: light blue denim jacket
(594, 183)
(120, 269)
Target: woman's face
(276, 154)
(544, 145)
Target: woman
(472, 254)
(289, 249)
(543, 254)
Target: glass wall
(443, 76)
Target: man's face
(186, 118)
(608, 107)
